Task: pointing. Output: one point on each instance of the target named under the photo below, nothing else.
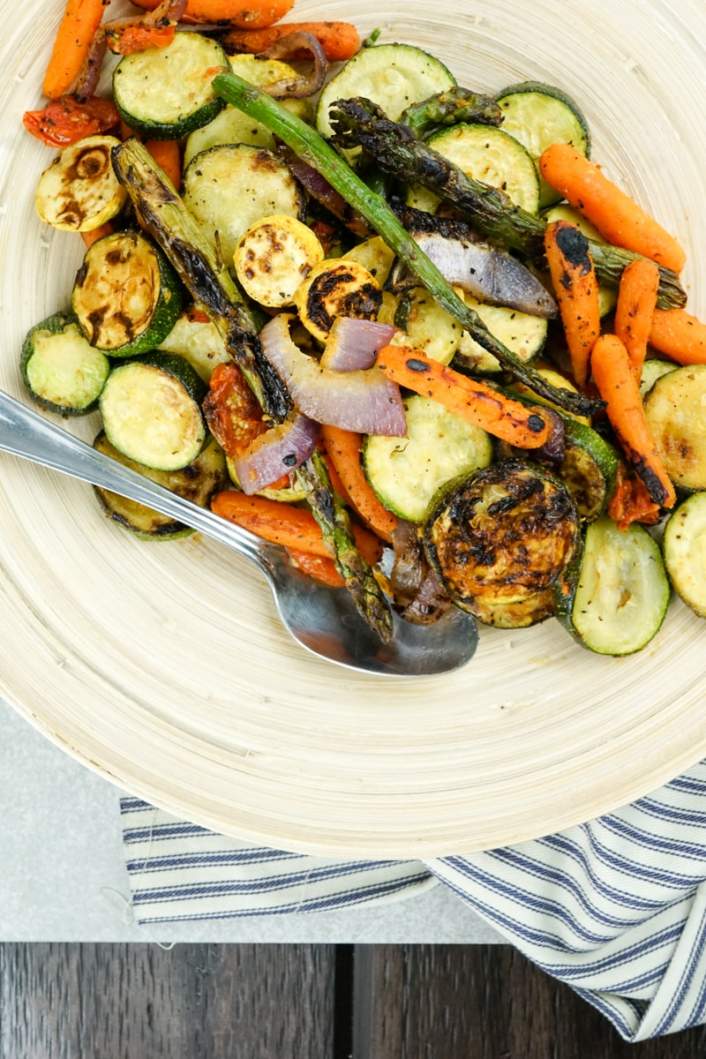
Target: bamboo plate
(163, 667)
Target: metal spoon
(322, 620)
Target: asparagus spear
(358, 122)
(449, 108)
(164, 215)
(310, 147)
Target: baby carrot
(316, 567)
(613, 375)
(246, 14)
(343, 448)
(72, 44)
(292, 527)
(89, 238)
(167, 155)
(680, 335)
(576, 290)
(617, 217)
(637, 299)
(340, 40)
(475, 402)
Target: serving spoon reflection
(320, 619)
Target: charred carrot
(245, 14)
(617, 217)
(475, 402)
(613, 375)
(340, 40)
(167, 155)
(292, 527)
(316, 567)
(343, 448)
(637, 300)
(71, 45)
(92, 237)
(680, 335)
(576, 289)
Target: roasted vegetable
(336, 287)
(61, 371)
(335, 170)
(683, 547)
(489, 210)
(199, 341)
(126, 295)
(675, 409)
(451, 107)
(274, 257)
(427, 326)
(502, 536)
(79, 191)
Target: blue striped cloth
(616, 908)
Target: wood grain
(165, 666)
(482, 1002)
(140, 1002)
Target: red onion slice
(353, 344)
(276, 452)
(289, 47)
(362, 401)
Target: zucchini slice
(607, 296)
(392, 75)
(588, 469)
(336, 287)
(517, 614)
(684, 547)
(407, 473)
(126, 295)
(539, 115)
(652, 370)
(523, 334)
(61, 371)
(556, 379)
(487, 154)
(427, 326)
(375, 256)
(166, 92)
(676, 413)
(151, 410)
(198, 341)
(274, 257)
(293, 494)
(231, 125)
(615, 596)
(197, 482)
(229, 188)
(504, 534)
(80, 191)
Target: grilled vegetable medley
(405, 329)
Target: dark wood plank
(140, 1002)
(482, 1002)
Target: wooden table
(135, 1001)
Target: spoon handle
(25, 433)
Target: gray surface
(62, 875)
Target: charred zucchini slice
(274, 257)
(684, 548)
(126, 295)
(407, 473)
(336, 288)
(518, 614)
(231, 125)
(539, 115)
(151, 410)
(427, 326)
(392, 75)
(504, 534)
(197, 482)
(676, 412)
(230, 187)
(198, 341)
(588, 469)
(487, 154)
(615, 595)
(166, 92)
(61, 371)
(80, 191)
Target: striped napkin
(616, 908)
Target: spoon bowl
(320, 619)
